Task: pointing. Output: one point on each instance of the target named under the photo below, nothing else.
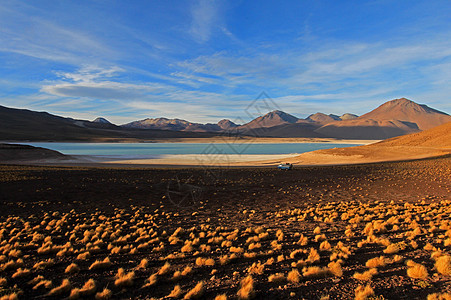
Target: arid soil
(300, 234)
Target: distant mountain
(348, 116)
(406, 110)
(101, 120)
(27, 125)
(173, 125)
(323, 118)
(271, 119)
(226, 124)
(159, 123)
(393, 118)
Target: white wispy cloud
(35, 37)
(204, 19)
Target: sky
(204, 61)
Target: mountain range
(393, 118)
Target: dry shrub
(124, 279)
(84, 256)
(293, 276)
(12, 296)
(88, 289)
(221, 297)
(196, 292)
(188, 247)
(376, 262)
(164, 269)
(44, 264)
(3, 281)
(416, 270)
(200, 261)
(303, 240)
(320, 238)
(367, 275)
(236, 249)
(335, 268)
(256, 268)
(42, 283)
(104, 295)
(143, 264)
(363, 293)
(186, 271)
(62, 289)
(21, 273)
(314, 271)
(101, 264)
(313, 256)
(246, 290)
(151, 280)
(443, 265)
(72, 268)
(325, 246)
(438, 296)
(176, 292)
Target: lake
(148, 150)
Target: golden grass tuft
(256, 268)
(313, 256)
(72, 268)
(416, 270)
(62, 289)
(363, 293)
(439, 296)
(152, 280)
(176, 292)
(443, 265)
(143, 264)
(246, 290)
(101, 264)
(365, 276)
(293, 276)
(376, 262)
(104, 295)
(325, 246)
(21, 273)
(195, 292)
(164, 269)
(335, 268)
(124, 279)
(314, 271)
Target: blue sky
(207, 60)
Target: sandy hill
(437, 137)
(393, 118)
(429, 143)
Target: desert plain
(364, 231)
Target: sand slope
(429, 143)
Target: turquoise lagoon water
(149, 150)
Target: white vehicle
(285, 166)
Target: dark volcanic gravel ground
(230, 198)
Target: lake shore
(214, 140)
